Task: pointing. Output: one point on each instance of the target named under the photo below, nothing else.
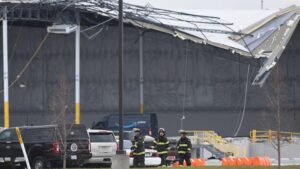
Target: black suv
(44, 146)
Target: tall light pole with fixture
(120, 160)
(67, 29)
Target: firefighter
(184, 147)
(162, 145)
(138, 149)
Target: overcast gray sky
(216, 4)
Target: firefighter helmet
(182, 132)
(161, 130)
(136, 130)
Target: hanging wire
(184, 84)
(20, 74)
(244, 106)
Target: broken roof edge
(254, 27)
(186, 36)
(164, 29)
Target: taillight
(90, 147)
(56, 148)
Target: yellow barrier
(270, 135)
(211, 137)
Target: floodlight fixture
(62, 29)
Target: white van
(103, 146)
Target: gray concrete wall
(214, 86)
(290, 151)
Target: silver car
(103, 146)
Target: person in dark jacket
(184, 147)
(162, 145)
(138, 149)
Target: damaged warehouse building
(191, 70)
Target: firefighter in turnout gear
(184, 147)
(138, 149)
(162, 145)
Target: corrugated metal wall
(214, 87)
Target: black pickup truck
(44, 146)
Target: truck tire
(39, 162)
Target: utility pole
(121, 46)
(120, 160)
(261, 4)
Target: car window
(38, 134)
(5, 135)
(77, 132)
(102, 137)
(8, 135)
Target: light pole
(121, 46)
(120, 160)
(68, 29)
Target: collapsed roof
(264, 41)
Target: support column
(77, 76)
(5, 69)
(141, 52)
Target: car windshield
(102, 137)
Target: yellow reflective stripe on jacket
(189, 149)
(183, 145)
(162, 143)
(182, 152)
(163, 152)
(137, 154)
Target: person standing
(138, 149)
(184, 147)
(162, 145)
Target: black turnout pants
(163, 158)
(186, 157)
(139, 160)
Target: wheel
(39, 162)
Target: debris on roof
(264, 40)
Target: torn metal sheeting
(264, 40)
